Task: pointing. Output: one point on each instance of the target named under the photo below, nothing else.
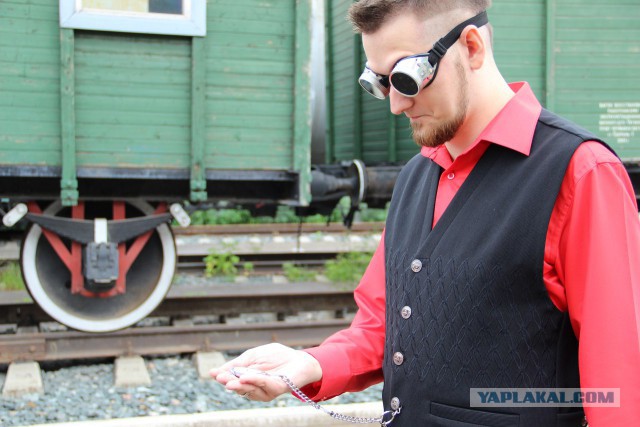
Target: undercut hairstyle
(367, 16)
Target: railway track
(228, 323)
(254, 239)
(70, 345)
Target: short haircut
(367, 16)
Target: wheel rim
(148, 280)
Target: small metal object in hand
(240, 371)
(385, 420)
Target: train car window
(165, 6)
(173, 7)
(173, 17)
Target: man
(510, 254)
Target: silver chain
(341, 417)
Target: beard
(438, 134)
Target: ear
(474, 45)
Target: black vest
(466, 303)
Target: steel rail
(230, 300)
(288, 228)
(212, 236)
(69, 345)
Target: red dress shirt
(591, 269)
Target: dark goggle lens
(367, 85)
(404, 84)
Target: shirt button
(416, 265)
(398, 358)
(405, 312)
(395, 403)
(451, 175)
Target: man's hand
(275, 359)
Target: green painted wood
(198, 181)
(138, 100)
(302, 100)
(249, 92)
(520, 42)
(248, 42)
(30, 64)
(358, 144)
(550, 77)
(329, 92)
(69, 181)
(342, 81)
(147, 77)
(153, 160)
(597, 63)
(392, 136)
(258, 27)
(274, 110)
(375, 133)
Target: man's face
(440, 109)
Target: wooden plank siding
(581, 58)
(250, 82)
(137, 102)
(519, 33)
(29, 83)
(597, 63)
(133, 98)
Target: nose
(399, 103)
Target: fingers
(223, 374)
(272, 358)
(257, 387)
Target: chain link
(336, 415)
(341, 417)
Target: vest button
(405, 312)
(416, 265)
(398, 358)
(451, 175)
(395, 403)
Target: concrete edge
(296, 416)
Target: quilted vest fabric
(466, 303)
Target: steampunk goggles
(413, 73)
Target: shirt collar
(512, 127)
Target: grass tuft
(11, 277)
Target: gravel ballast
(86, 392)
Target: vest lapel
(473, 181)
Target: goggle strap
(442, 45)
(438, 50)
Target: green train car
(581, 57)
(215, 113)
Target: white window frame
(192, 22)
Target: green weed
(247, 268)
(297, 274)
(220, 264)
(11, 277)
(348, 267)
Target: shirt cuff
(336, 372)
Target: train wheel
(48, 280)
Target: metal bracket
(83, 231)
